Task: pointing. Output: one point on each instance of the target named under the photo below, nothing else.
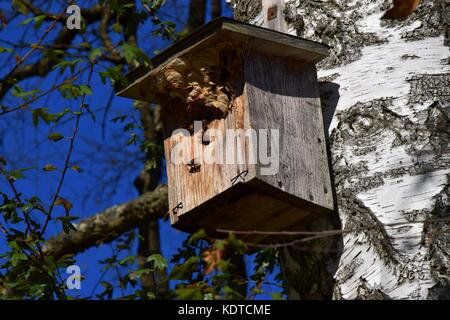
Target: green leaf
(139, 273)
(237, 244)
(135, 55)
(69, 90)
(108, 292)
(133, 139)
(114, 74)
(20, 93)
(97, 52)
(231, 294)
(85, 89)
(17, 257)
(150, 164)
(191, 293)
(27, 21)
(55, 53)
(219, 244)
(184, 271)
(196, 237)
(3, 49)
(127, 260)
(66, 260)
(117, 27)
(129, 126)
(41, 113)
(128, 52)
(55, 136)
(20, 6)
(18, 174)
(37, 290)
(49, 168)
(151, 147)
(76, 168)
(38, 21)
(157, 261)
(65, 203)
(15, 218)
(276, 296)
(64, 64)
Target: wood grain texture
(286, 98)
(194, 188)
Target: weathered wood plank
(285, 97)
(194, 188)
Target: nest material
(202, 80)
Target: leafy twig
(69, 153)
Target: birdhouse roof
(219, 31)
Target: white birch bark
(389, 139)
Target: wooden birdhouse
(243, 131)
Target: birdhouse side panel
(283, 95)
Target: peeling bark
(385, 94)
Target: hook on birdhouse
(241, 175)
(177, 207)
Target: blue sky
(109, 167)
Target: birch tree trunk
(385, 91)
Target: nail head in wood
(272, 13)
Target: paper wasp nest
(195, 78)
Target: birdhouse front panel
(197, 165)
(243, 130)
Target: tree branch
(216, 9)
(149, 242)
(109, 224)
(43, 66)
(197, 14)
(104, 35)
